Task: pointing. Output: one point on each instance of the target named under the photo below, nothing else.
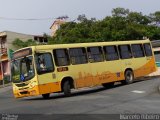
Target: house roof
(57, 21)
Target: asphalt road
(141, 97)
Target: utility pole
(2, 70)
(1, 62)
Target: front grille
(21, 84)
(24, 92)
(23, 88)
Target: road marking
(138, 91)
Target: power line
(26, 19)
(33, 19)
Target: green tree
(138, 18)
(120, 12)
(155, 17)
(121, 25)
(20, 44)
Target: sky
(51, 9)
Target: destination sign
(22, 53)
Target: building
(56, 25)
(7, 37)
(155, 43)
(6, 46)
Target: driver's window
(44, 63)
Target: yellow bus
(46, 69)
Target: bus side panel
(48, 84)
(49, 87)
(135, 64)
(105, 72)
(94, 74)
(97, 70)
(140, 66)
(146, 68)
(82, 75)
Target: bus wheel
(129, 77)
(67, 89)
(108, 85)
(46, 96)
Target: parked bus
(46, 69)
(157, 59)
(157, 55)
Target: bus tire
(67, 89)
(108, 85)
(129, 77)
(46, 96)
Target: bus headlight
(32, 84)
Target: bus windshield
(22, 69)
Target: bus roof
(75, 45)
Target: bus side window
(44, 63)
(137, 50)
(125, 51)
(111, 53)
(73, 60)
(95, 54)
(61, 57)
(148, 50)
(78, 55)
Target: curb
(5, 85)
